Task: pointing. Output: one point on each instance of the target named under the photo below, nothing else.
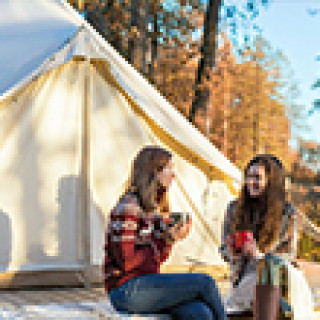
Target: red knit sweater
(134, 246)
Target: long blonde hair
(143, 181)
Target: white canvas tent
(73, 114)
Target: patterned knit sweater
(134, 245)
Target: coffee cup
(177, 217)
(241, 237)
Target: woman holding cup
(139, 239)
(258, 240)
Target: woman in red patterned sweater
(139, 239)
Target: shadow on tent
(69, 245)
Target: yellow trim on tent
(185, 193)
(102, 66)
(212, 172)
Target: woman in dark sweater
(139, 240)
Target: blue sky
(289, 27)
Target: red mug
(240, 237)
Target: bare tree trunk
(256, 142)
(207, 60)
(97, 19)
(138, 42)
(144, 27)
(154, 42)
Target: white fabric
(114, 146)
(300, 295)
(241, 297)
(58, 22)
(40, 220)
(167, 117)
(42, 134)
(30, 32)
(39, 168)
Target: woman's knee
(204, 279)
(270, 270)
(196, 310)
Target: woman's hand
(180, 230)
(250, 248)
(232, 250)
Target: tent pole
(85, 203)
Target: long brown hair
(267, 208)
(143, 182)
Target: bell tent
(73, 115)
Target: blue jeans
(184, 296)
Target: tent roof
(34, 31)
(30, 32)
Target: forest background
(208, 58)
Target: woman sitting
(264, 213)
(139, 240)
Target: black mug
(176, 217)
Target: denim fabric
(193, 311)
(184, 296)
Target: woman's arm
(225, 248)
(172, 234)
(123, 228)
(287, 242)
(164, 249)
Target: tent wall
(44, 223)
(41, 174)
(113, 147)
(39, 168)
